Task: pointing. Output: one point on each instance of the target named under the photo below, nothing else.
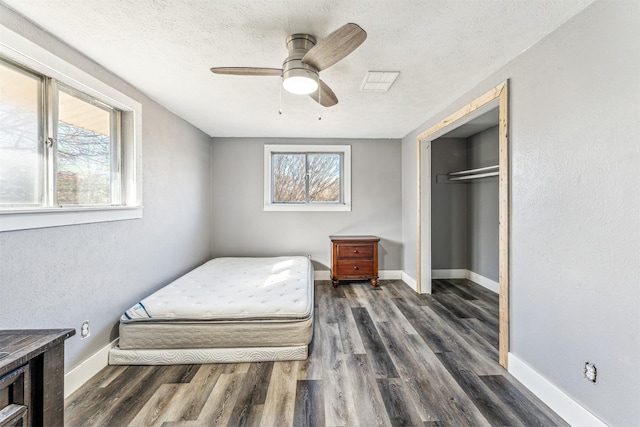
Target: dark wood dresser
(354, 258)
(32, 377)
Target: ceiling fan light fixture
(300, 81)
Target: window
(307, 178)
(69, 144)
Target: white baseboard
(483, 281)
(555, 398)
(382, 274)
(322, 275)
(409, 281)
(461, 273)
(87, 369)
(390, 274)
(457, 273)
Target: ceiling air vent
(378, 81)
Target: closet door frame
(495, 98)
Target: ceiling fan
(306, 59)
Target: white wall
(59, 277)
(241, 227)
(575, 206)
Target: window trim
(344, 206)
(26, 53)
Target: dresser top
(18, 346)
(354, 238)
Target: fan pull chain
(319, 104)
(280, 106)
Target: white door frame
(496, 97)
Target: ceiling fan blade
(335, 46)
(324, 95)
(247, 71)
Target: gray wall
(482, 199)
(449, 206)
(240, 227)
(59, 277)
(575, 206)
(464, 214)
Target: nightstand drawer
(355, 251)
(14, 397)
(354, 268)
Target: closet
(465, 202)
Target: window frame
(345, 185)
(37, 60)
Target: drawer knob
(355, 251)
(355, 267)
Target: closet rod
(476, 176)
(488, 168)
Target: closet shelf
(474, 176)
(469, 174)
(475, 171)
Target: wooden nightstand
(354, 258)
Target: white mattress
(226, 289)
(228, 310)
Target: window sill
(42, 218)
(307, 208)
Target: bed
(227, 310)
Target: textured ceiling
(166, 47)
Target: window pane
(20, 160)
(289, 183)
(324, 177)
(84, 152)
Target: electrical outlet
(85, 330)
(590, 371)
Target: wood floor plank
(281, 396)
(131, 392)
(352, 296)
(152, 412)
(427, 327)
(368, 298)
(397, 403)
(430, 385)
(189, 401)
(365, 392)
(446, 286)
(253, 391)
(219, 406)
(458, 336)
(408, 367)
(309, 407)
(391, 288)
(487, 332)
(339, 407)
(351, 340)
(326, 306)
(381, 363)
(494, 410)
(531, 411)
(91, 405)
(463, 308)
(480, 292)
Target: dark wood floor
(384, 356)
